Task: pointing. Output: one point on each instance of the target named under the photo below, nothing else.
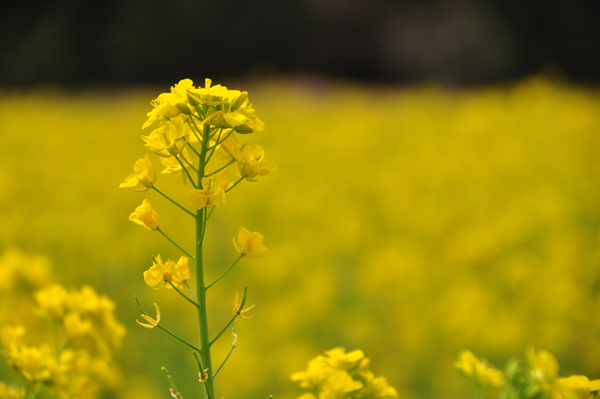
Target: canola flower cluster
(74, 360)
(537, 379)
(203, 121)
(339, 375)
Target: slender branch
(235, 184)
(223, 330)
(186, 172)
(176, 203)
(212, 151)
(225, 272)
(174, 390)
(221, 141)
(193, 149)
(197, 130)
(198, 361)
(229, 354)
(221, 168)
(183, 295)
(191, 291)
(174, 243)
(164, 329)
(208, 216)
(190, 164)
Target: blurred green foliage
(409, 223)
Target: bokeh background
(437, 185)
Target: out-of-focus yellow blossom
(574, 387)
(51, 300)
(375, 387)
(161, 274)
(11, 335)
(249, 244)
(343, 375)
(213, 191)
(166, 104)
(252, 162)
(152, 322)
(34, 363)
(75, 326)
(141, 174)
(228, 148)
(339, 359)
(480, 372)
(543, 365)
(169, 139)
(172, 165)
(241, 313)
(144, 215)
(11, 392)
(337, 385)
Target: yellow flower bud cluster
(537, 379)
(339, 375)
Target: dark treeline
(113, 42)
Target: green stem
(235, 184)
(229, 354)
(200, 290)
(213, 148)
(189, 164)
(174, 243)
(223, 330)
(186, 172)
(178, 338)
(176, 203)
(225, 272)
(174, 389)
(196, 132)
(221, 168)
(479, 393)
(183, 295)
(221, 141)
(164, 329)
(193, 149)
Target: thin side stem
(186, 172)
(174, 202)
(221, 168)
(191, 291)
(193, 149)
(189, 164)
(212, 151)
(223, 330)
(221, 141)
(235, 184)
(174, 243)
(183, 295)
(225, 272)
(229, 354)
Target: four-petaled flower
(141, 174)
(249, 244)
(252, 163)
(241, 313)
(213, 191)
(161, 274)
(144, 215)
(152, 323)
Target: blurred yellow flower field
(409, 223)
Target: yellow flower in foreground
(144, 215)
(153, 323)
(252, 162)
(169, 139)
(161, 274)
(172, 165)
(241, 313)
(165, 105)
(141, 174)
(478, 371)
(249, 244)
(574, 387)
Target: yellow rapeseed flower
(169, 139)
(478, 371)
(213, 191)
(172, 165)
(144, 215)
(52, 300)
(241, 313)
(542, 364)
(76, 326)
(252, 163)
(11, 335)
(249, 244)
(573, 387)
(166, 104)
(161, 274)
(339, 359)
(337, 385)
(141, 174)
